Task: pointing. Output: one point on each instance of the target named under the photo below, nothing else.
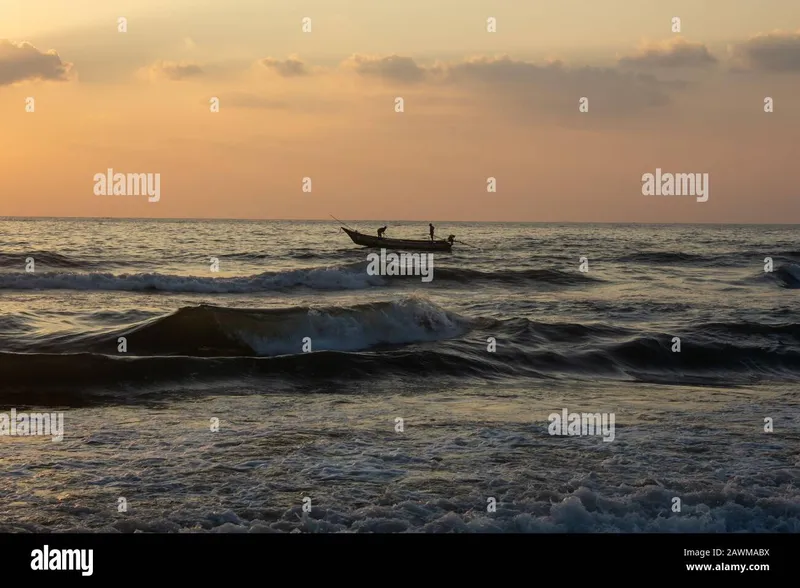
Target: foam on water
(437, 475)
(329, 278)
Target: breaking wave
(408, 338)
(788, 276)
(351, 276)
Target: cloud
(392, 67)
(555, 84)
(773, 52)
(291, 67)
(23, 61)
(550, 86)
(175, 71)
(677, 53)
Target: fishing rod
(340, 222)
(467, 244)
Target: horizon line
(207, 219)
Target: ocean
(253, 376)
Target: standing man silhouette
(430, 225)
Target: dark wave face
(41, 258)
(788, 276)
(552, 277)
(667, 258)
(727, 259)
(410, 338)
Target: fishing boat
(385, 243)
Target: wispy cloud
(174, 71)
(291, 67)
(391, 67)
(670, 54)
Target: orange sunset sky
(477, 104)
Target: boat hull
(384, 243)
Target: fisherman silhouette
(431, 227)
(381, 231)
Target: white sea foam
(410, 320)
(333, 278)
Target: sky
(80, 94)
